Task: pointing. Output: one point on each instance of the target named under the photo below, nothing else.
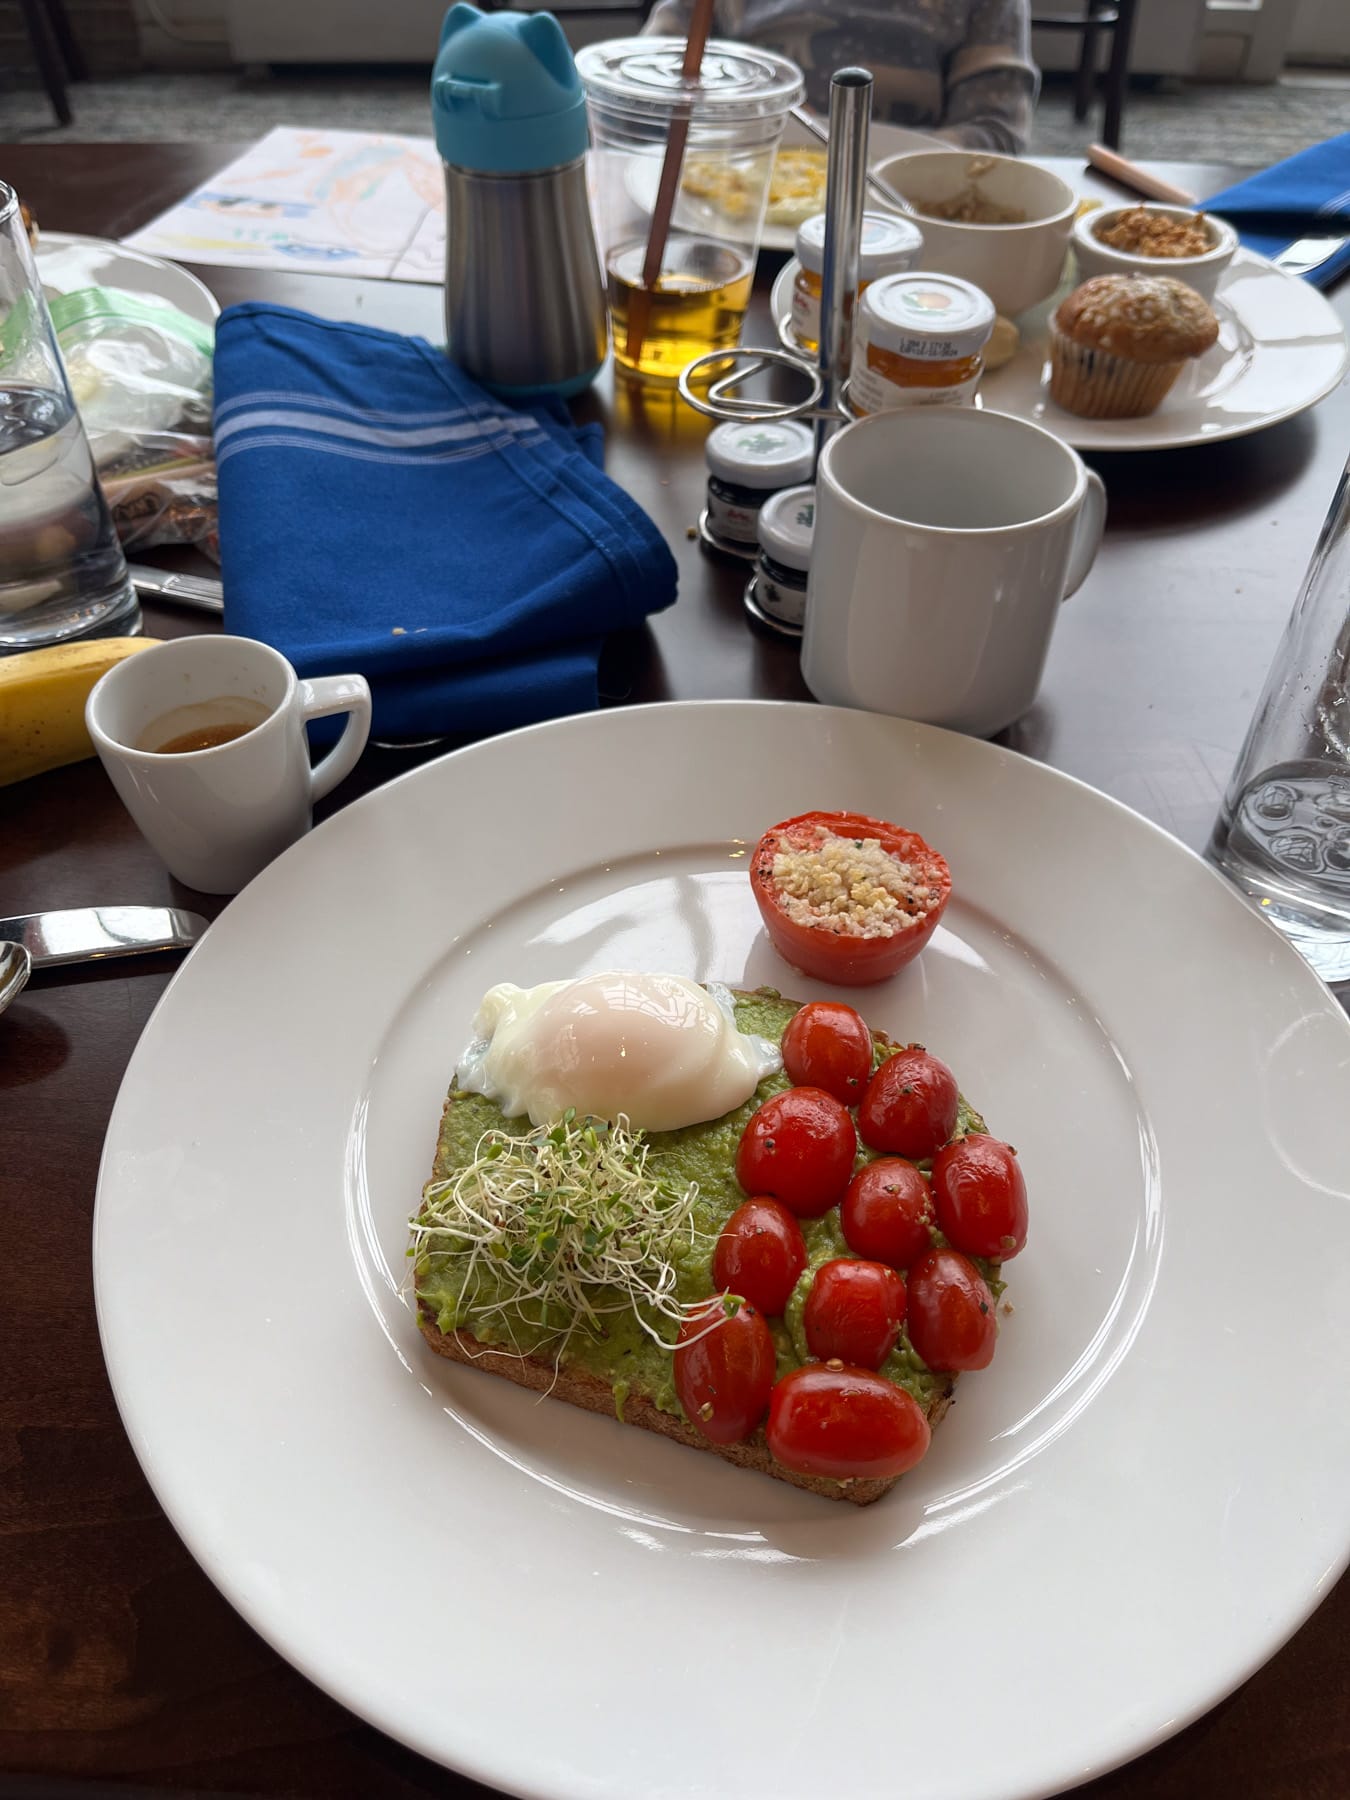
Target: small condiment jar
(886, 246)
(776, 593)
(748, 462)
(918, 342)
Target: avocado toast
(616, 1365)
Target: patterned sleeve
(991, 80)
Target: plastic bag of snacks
(141, 377)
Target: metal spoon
(16, 965)
(882, 189)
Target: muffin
(1119, 342)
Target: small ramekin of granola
(1155, 240)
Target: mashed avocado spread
(626, 1357)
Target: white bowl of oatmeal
(994, 220)
(1155, 240)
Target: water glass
(736, 110)
(62, 573)
(1283, 833)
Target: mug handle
(1087, 533)
(337, 694)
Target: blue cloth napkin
(381, 514)
(1307, 195)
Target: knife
(89, 933)
(198, 591)
(1307, 254)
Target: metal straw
(850, 116)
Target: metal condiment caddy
(824, 398)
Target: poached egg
(659, 1049)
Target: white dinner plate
(1281, 349)
(67, 263)
(1122, 1518)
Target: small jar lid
(886, 244)
(787, 523)
(769, 455)
(931, 317)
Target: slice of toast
(581, 1387)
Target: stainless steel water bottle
(524, 299)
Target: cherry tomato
(828, 1419)
(827, 1045)
(980, 1196)
(822, 950)
(886, 1212)
(854, 1312)
(910, 1104)
(724, 1369)
(760, 1254)
(799, 1147)
(951, 1312)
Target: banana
(42, 696)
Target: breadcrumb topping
(853, 885)
(1141, 232)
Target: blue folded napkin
(381, 514)
(1307, 195)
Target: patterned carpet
(1251, 126)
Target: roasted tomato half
(836, 912)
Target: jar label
(871, 392)
(805, 314)
(738, 524)
(783, 602)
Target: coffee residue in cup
(204, 725)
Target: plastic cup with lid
(736, 109)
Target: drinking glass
(736, 108)
(1283, 832)
(62, 573)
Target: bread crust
(581, 1387)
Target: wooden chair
(1117, 17)
(58, 57)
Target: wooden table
(121, 1667)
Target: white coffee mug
(945, 539)
(217, 816)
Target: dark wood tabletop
(122, 1670)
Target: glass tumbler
(1283, 833)
(736, 108)
(62, 573)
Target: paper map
(340, 202)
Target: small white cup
(945, 539)
(1018, 265)
(218, 816)
(1199, 272)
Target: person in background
(961, 69)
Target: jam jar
(887, 245)
(776, 594)
(919, 342)
(747, 462)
